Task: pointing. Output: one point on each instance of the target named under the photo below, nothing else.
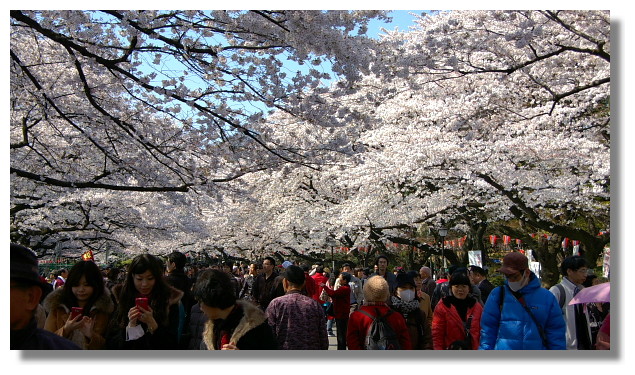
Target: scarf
(404, 307)
(461, 305)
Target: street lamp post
(443, 231)
(331, 242)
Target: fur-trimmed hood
(54, 301)
(252, 318)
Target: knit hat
(514, 262)
(459, 278)
(404, 279)
(24, 265)
(376, 290)
(294, 275)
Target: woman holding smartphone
(148, 312)
(81, 309)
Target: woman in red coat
(451, 315)
(376, 294)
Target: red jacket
(447, 326)
(310, 287)
(319, 279)
(341, 301)
(358, 325)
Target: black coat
(486, 287)
(264, 289)
(197, 327)
(33, 338)
(165, 337)
(180, 281)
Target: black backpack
(380, 335)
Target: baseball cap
(514, 262)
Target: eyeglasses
(516, 276)
(583, 270)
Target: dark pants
(342, 328)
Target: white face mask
(406, 295)
(518, 285)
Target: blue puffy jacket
(514, 329)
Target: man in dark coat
(26, 290)
(264, 284)
(478, 276)
(382, 270)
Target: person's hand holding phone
(230, 346)
(73, 322)
(133, 315)
(143, 313)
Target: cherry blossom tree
(531, 114)
(159, 101)
(505, 114)
(471, 117)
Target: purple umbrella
(595, 293)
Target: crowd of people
(166, 304)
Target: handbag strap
(468, 324)
(373, 317)
(541, 331)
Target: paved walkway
(333, 339)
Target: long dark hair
(159, 297)
(94, 278)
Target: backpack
(380, 335)
(561, 296)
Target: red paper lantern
(565, 243)
(492, 239)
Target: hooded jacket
(247, 326)
(58, 313)
(512, 328)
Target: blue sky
(401, 19)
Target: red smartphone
(75, 311)
(142, 303)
